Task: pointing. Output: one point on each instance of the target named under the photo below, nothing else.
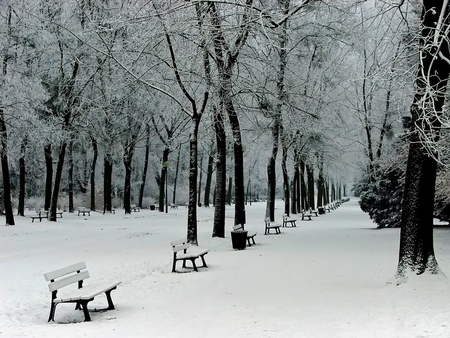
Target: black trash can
(239, 239)
(321, 210)
(152, 207)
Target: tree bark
(127, 160)
(416, 254)
(162, 182)
(303, 200)
(56, 187)
(107, 183)
(221, 172)
(48, 176)
(209, 175)
(193, 172)
(199, 191)
(70, 176)
(310, 175)
(176, 176)
(144, 172)
(93, 167)
(22, 178)
(5, 170)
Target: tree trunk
(193, 172)
(107, 183)
(56, 187)
(176, 176)
(294, 194)
(230, 190)
(22, 178)
(209, 175)
(5, 170)
(93, 167)
(310, 175)
(221, 172)
(285, 180)
(416, 254)
(144, 172)
(271, 175)
(303, 200)
(199, 195)
(162, 182)
(48, 176)
(127, 160)
(70, 176)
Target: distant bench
(173, 206)
(250, 235)
(192, 255)
(72, 274)
(84, 211)
(270, 226)
(306, 214)
(135, 208)
(287, 220)
(44, 214)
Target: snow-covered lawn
(326, 278)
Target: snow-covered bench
(135, 208)
(306, 214)
(250, 235)
(76, 274)
(287, 220)
(84, 211)
(39, 215)
(192, 255)
(270, 226)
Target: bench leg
(248, 241)
(194, 265)
(52, 311)
(110, 302)
(173, 265)
(203, 260)
(253, 239)
(84, 303)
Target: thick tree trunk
(144, 172)
(294, 194)
(5, 170)
(271, 185)
(93, 167)
(107, 183)
(285, 181)
(416, 254)
(193, 172)
(221, 172)
(48, 176)
(56, 187)
(70, 176)
(127, 160)
(22, 178)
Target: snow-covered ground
(328, 277)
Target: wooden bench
(306, 214)
(250, 235)
(135, 208)
(192, 255)
(287, 220)
(269, 227)
(72, 274)
(173, 206)
(315, 212)
(84, 211)
(40, 215)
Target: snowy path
(325, 278)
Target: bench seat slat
(192, 254)
(64, 271)
(86, 293)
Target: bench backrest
(66, 276)
(267, 221)
(133, 206)
(179, 245)
(82, 209)
(285, 217)
(238, 227)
